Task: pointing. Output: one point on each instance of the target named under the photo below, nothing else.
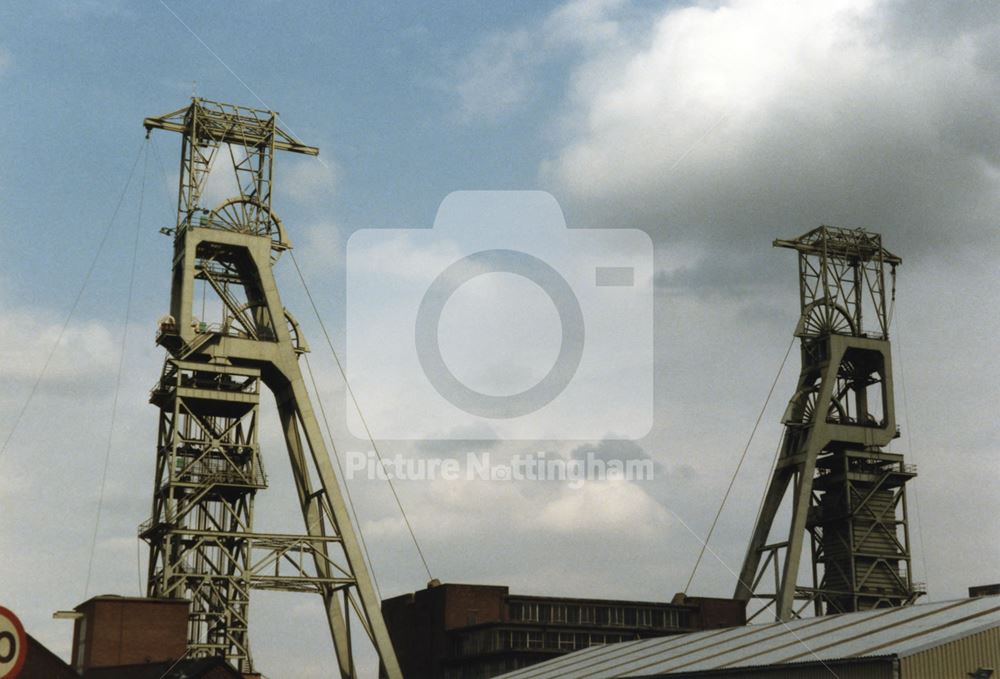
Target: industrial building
(945, 640)
(116, 637)
(110, 631)
(458, 631)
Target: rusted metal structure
(847, 492)
(208, 463)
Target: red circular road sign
(13, 644)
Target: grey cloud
(610, 449)
(901, 142)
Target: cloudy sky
(713, 127)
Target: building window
(534, 640)
(525, 612)
(588, 615)
(645, 617)
(518, 640)
(616, 615)
(567, 642)
(559, 613)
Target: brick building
(116, 637)
(116, 630)
(454, 631)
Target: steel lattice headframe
(208, 462)
(848, 493)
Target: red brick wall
(465, 602)
(121, 631)
(712, 613)
(418, 622)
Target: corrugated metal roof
(898, 632)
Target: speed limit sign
(13, 644)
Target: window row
(582, 614)
(489, 641)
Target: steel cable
(71, 312)
(732, 480)
(361, 416)
(118, 378)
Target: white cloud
(501, 75)
(594, 23)
(496, 78)
(736, 61)
(26, 338)
(223, 180)
(309, 181)
(624, 507)
(735, 118)
(319, 247)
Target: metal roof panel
(883, 632)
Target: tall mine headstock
(846, 491)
